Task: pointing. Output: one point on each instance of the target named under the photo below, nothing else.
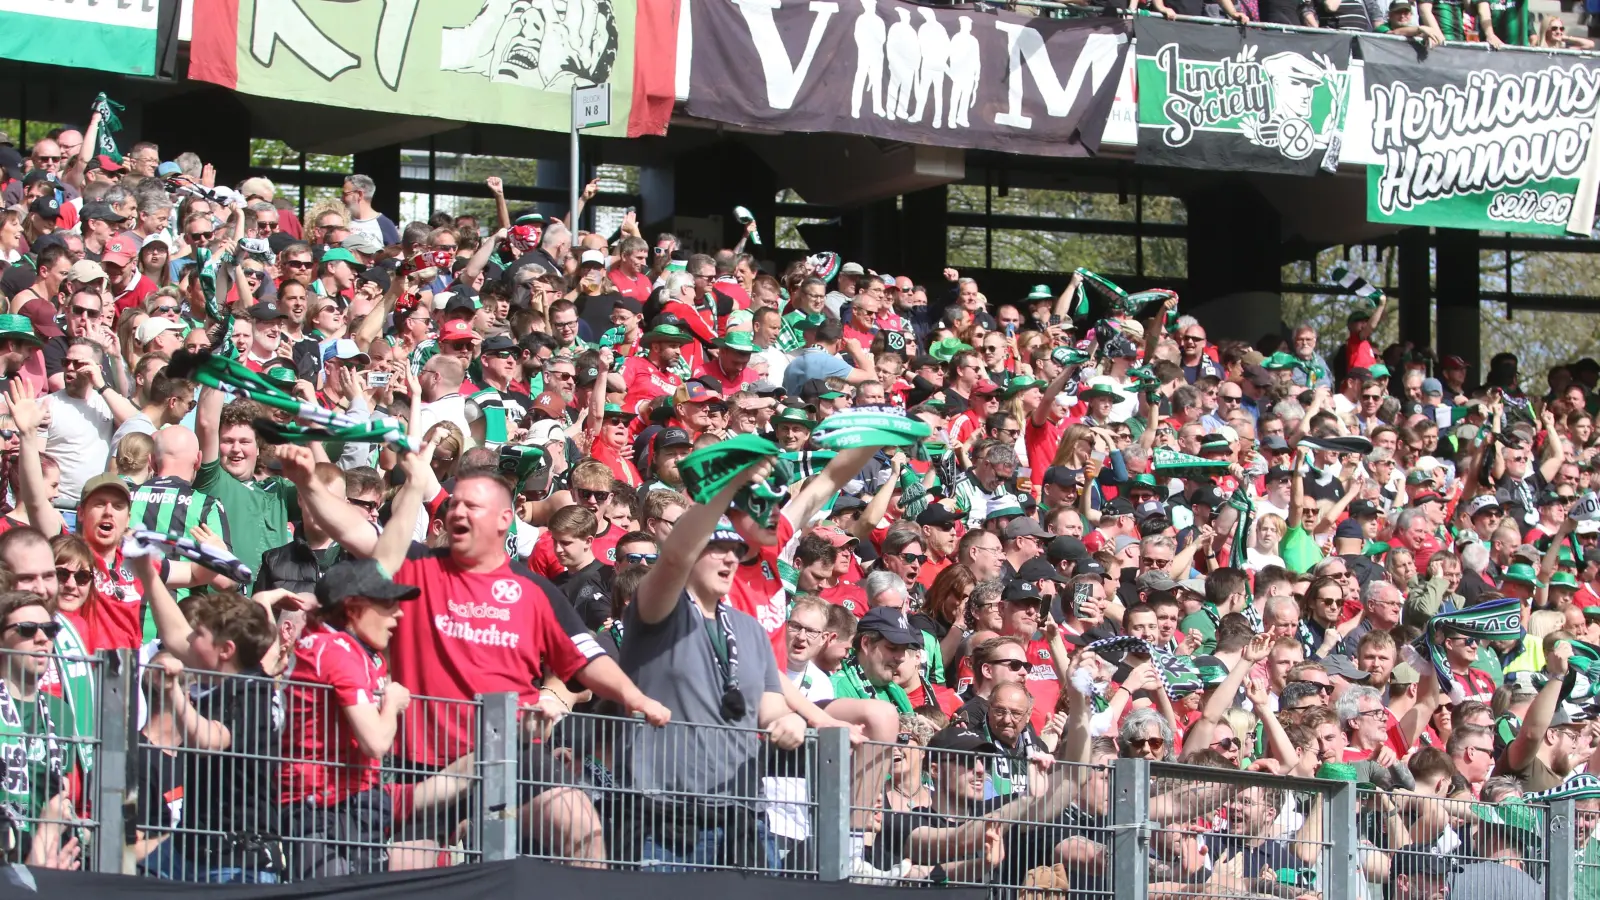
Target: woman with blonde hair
(132, 460)
(1552, 34)
(447, 455)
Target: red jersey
(333, 671)
(543, 559)
(1358, 353)
(930, 570)
(476, 633)
(758, 590)
(134, 296)
(645, 382)
(115, 611)
(1041, 442)
(1042, 683)
(1476, 684)
(849, 596)
(615, 460)
(637, 287)
(730, 383)
(964, 426)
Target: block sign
(591, 106)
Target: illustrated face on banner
(543, 44)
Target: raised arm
(828, 482)
(878, 506)
(28, 413)
(502, 213)
(348, 525)
(1222, 698)
(1531, 735)
(659, 592)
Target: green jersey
(1510, 19)
(1449, 15)
(266, 505)
(168, 505)
(1205, 621)
(37, 747)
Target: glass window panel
(964, 198)
(1166, 257)
(964, 247)
(789, 237)
(1033, 251)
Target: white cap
(593, 257)
(149, 328)
(1428, 464)
(544, 431)
(1228, 432)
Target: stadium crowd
(519, 466)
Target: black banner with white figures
(1225, 99)
(949, 77)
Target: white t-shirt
(452, 408)
(79, 438)
(813, 683)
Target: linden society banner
(1459, 144)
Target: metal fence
(200, 776)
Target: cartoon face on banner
(542, 44)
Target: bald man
(442, 400)
(168, 503)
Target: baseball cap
(1279, 473)
(1157, 580)
(149, 328)
(1066, 548)
(1432, 386)
(1361, 509)
(592, 258)
(1091, 566)
(99, 210)
(360, 578)
(103, 481)
(548, 404)
(695, 392)
(1117, 507)
(1023, 526)
(266, 311)
(890, 624)
(1481, 503)
(457, 330)
(104, 163)
(1037, 570)
(499, 343)
(960, 739)
(1452, 362)
(86, 270)
(1149, 509)
(835, 535)
(1344, 667)
(1020, 591)
(671, 437)
(343, 349)
(937, 514)
(359, 242)
(46, 207)
(122, 248)
(1274, 443)
(851, 268)
(817, 389)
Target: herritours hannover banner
(1463, 145)
(886, 69)
(1225, 99)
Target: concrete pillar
(1235, 256)
(1414, 305)
(382, 165)
(1457, 262)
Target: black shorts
(348, 838)
(538, 770)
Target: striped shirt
(169, 505)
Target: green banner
(501, 62)
(1467, 139)
(112, 36)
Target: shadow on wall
(1245, 316)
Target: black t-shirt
(231, 791)
(589, 592)
(1281, 12)
(160, 806)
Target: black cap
(1361, 509)
(498, 343)
(1037, 570)
(35, 176)
(1278, 473)
(628, 303)
(1061, 476)
(266, 311)
(100, 211)
(848, 503)
(937, 514)
(46, 207)
(890, 624)
(1090, 566)
(1206, 495)
(962, 739)
(814, 389)
(279, 241)
(1020, 591)
(1117, 507)
(460, 302)
(360, 578)
(671, 437)
(924, 361)
(1546, 498)
(377, 275)
(1066, 548)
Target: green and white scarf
(1495, 620)
(27, 756)
(75, 667)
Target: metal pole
(572, 176)
(1559, 884)
(832, 825)
(1343, 840)
(497, 766)
(116, 754)
(1130, 817)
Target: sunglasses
(904, 738)
(916, 558)
(1226, 744)
(1155, 744)
(368, 505)
(80, 577)
(163, 310)
(1324, 688)
(596, 496)
(86, 312)
(28, 630)
(1015, 665)
(642, 559)
(297, 264)
(254, 273)
(195, 236)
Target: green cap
(945, 349)
(282, 376)
(18, 327)
(1341, 771)
(1378, 371)
(1521, 573)
(1375, 548)
(1360, 315)
(615, 409)
(1279, 361)
(1040, 292)
(1564, 579)
(1146, 480)
(529, 219)
(1019, 384)
(1002, 510)
(670, 333)
(339, 254)
(936, 401)
(736, 340)
(793, 415)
